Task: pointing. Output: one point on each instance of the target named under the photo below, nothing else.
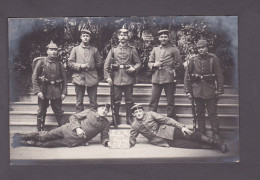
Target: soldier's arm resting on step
(133, 136)
(104, 136)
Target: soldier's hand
(40, 95)
(109, 80)
(63, 96)
(80, 133)
(107, 144)
(157, 64)
(186, 130)
(84, 66)
(189, 96)
(131, 69)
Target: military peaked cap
(123, 30)
(164, 31)
(52, 45)
(105, 105)
(201, 43)
(83, 31)
(137, 106)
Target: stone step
(146, 88)
(25, 119)
(180, 108)
(138, 98)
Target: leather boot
(117, 117)
(201, 125)
(129, 117)
(21, 139)
(221, 146)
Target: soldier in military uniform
(164, 61)
(166, 132)
(204, 82)
(125, 63)
(82, 128)
(84, 61)
(49, 83)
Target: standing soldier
(49, 83)
(84, 61)
(163, 61)
(204, 82)
(125, 62)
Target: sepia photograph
(116, 90)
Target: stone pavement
(143, 153)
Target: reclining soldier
(82, 128)
(166, 132)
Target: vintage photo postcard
(98, 90)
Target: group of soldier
(203, 84)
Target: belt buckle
(121, 66)
(52, 82)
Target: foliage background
(28, 38)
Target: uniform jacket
(91, 123)
(171, 59)
(85, 55)
(202, 66)
(54, 70)
(155, 127)
(123, 55)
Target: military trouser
(169, 89)
(128, 93)
(211, 106)
(188, 141)
(62, 136)
(56, 105)
(92, 95)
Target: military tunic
(85, 79)
(123, 55)
(52, 70)
(204, 92)
(164, 76)
(89, 121)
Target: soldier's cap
(85, 31)
(52, 45)
(136, 106)
(123, 30)
(105, 105)
(163, 31)
(201, 43)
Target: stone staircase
(22, 116)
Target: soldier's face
(102, 111)
(52, 52)
(202, 50)
(122, 37)
(139, 113)
(164, 39)
(85, 38)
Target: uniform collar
(203, 57)
(120, 46)
(51, 60)
(167, 45)
(99, 118)
(84, 46)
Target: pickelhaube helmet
(52, 45)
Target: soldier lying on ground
(82, 128)
(164, 131)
